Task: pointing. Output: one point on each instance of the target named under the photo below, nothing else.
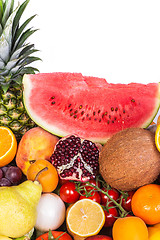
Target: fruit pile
(79, 205)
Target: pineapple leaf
(28, 70)
(18, 16)
(7, 10)
(29, 60)
(5, 87)
(20, 30)
(1, 11)
(6, 38)
(24, 36)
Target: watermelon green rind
(140, 103)
(155, 110)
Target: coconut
(130, 159)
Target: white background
(118, 40)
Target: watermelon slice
(70, 103)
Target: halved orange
(85, 218)
(8, 146)
(157, 137)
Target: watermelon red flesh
(69, 103)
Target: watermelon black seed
(112, 109)
(69, 105)
(95, 119)
(76, 112)
(71, 114)
(132, 100)
(90, 118)
(87, 115)
(71, 110)
(53, 103)
(82, 112)
(108, 121)
(99, 111)
(80, 106)
(75, 116)
(116, 109)
(53, 97)
(109, 116)
(100, 120)
(124, 111)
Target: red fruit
(93, 182)
(113, 193)
(95, 196)
(76, 159)
(68, 192)
(110, 217)
(126, 203)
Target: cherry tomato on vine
(68, 192)
(110, 217)
(93, 182)
(126, 203)
(95, 196)
(55, 235)
(113, 193)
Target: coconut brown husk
(130, 159)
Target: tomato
(126, 203)
(113, 193)
(130, 228)
(55, 234)
(68, 192)
(110, 217)
(95, 196)
(93, 182)
(146, 203)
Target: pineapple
(15, 59)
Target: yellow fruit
(8, 146)
(157, 137)
(85, 218)
(5, 238)
(18, 208)
(154, 232)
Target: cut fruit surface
(70, 103)
(157, 137)
(8, 146)
(85, 218)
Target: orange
(44, 172)
(157, 137)
(154, 232)
(129, 228)
(85, 218)
(8, 146)
(146, 203)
